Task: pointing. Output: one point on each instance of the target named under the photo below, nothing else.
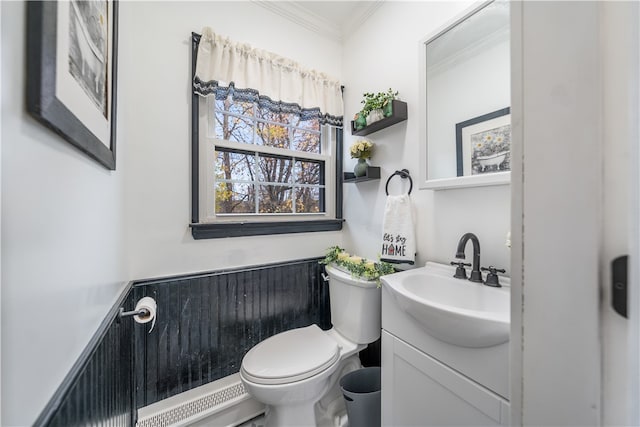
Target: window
(266, 164)
(262, 170)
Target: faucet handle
(492, 277)
(461, 273)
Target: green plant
(375, 101)
(357, 266)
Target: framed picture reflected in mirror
(483, 144)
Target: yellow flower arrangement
(355, 259)
(361, 149)
(357, 266)
(343, 256)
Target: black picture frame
(43, 101)
(461, 161)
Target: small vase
(374, 116)
(388, 109)
(360, 169)
(360, 121)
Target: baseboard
(224, 402)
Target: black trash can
(361, 390)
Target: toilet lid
(290, 356)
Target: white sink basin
(456, 311)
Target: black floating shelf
(399, 115)
(373, 172)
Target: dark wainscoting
(99, 388)
(207, 323)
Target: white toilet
(296, 373)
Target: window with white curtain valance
(275, 82)
(267, 139)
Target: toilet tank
(355, 306)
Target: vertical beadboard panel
(99, 390)
(206, 323)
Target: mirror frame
(497, 178)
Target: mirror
(468, 90)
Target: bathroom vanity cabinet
(419, 390)
(426, 381)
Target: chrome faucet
(475, 275)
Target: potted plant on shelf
(362, 150)
(375, 107)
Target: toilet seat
(290, 356)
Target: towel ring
(404, 174)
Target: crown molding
(303, 17)
(361, 13)
(296, 12)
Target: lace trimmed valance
(279, 84)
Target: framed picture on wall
(483, 144)
(72, 72)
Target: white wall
(574, 208)
(476, 85)
(63, 251)
(155, 113)
(619, 50)
(384, 53)
(561, 214)
(73, 233)
(1, 56)
(633, 351)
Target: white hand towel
(398, 236)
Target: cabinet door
(417, 390)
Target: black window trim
(254, 228)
